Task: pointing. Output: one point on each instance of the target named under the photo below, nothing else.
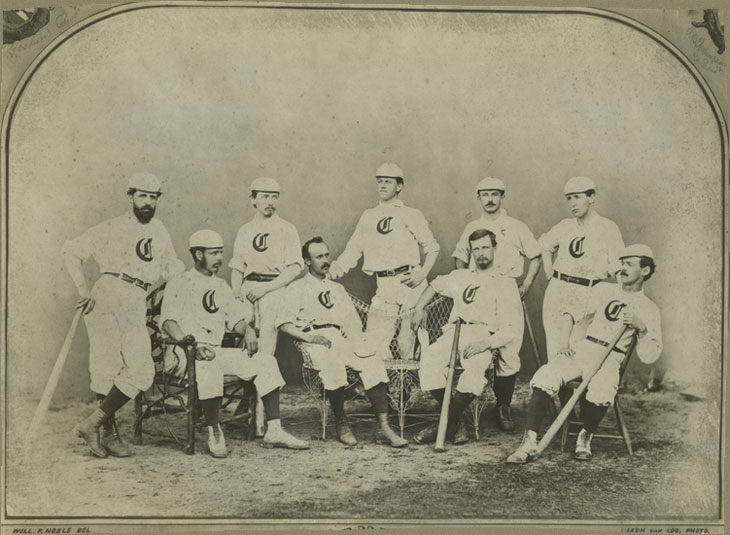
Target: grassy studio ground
(673, 474)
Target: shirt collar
(500, 218)
(272, 219)
(398, 203)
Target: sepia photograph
(358, 266)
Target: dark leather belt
(575, 280)
(392, 272)
(131, 280)
(261, 277)
(604, 344)
(322, 326)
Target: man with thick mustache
(611, 307)
(197, 303)
(133, 252)
(489, 305)
(390, 238)
(516, 243)
(319, 312)
(577, 254)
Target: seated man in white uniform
(197, 303)
(489, 305)
(320, 313)
(610, 308)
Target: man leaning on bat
(611, 307)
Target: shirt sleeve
(461, 252)
(549, 240)
(615, 246)
(649, 346)
(237, 261)
(289, 307)
(83, 246)
(422, 232)
(509, 314)
(353, 250)
(293, 254)
(173, 302)
(171, 265)
(445, 285)
(529, 246)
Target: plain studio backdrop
(208, 98)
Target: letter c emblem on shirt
(384, 226)
(144, 249)
(209, 302)
(259, 242)
(325, 299)
(576, 247)
(613, 309)
(470, 294)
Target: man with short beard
(133, 252)
(319, 312)
(516, 243)
(200, 305)
(489, 305)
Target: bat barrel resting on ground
(444, 417)
(45, 401)
(568, 407)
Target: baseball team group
(595, 292)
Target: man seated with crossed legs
(610, 308)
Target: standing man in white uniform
(320, 313)
(610, 308)
(587, 247)
(489, 305)
(516, 243)
(265, 259)
(197, 303)
(388, 236)
(133, 252)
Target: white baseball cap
(579, 184)
(206, 239)
(265, 184)
(144, 182)
(637, 249)
(389, 170)
(490, 183)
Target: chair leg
(621, 423)
(192, 416)
(564, 435)
(137, 440)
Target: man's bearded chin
(143, 216)
(483, 263)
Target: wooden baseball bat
(50, 389)
(444, 417)
(568, 408)
(260, 423)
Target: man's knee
(547, 379)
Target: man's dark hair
(305, 247)
(590, 192)
(480, 233)
(193, 250)
(645, 261)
